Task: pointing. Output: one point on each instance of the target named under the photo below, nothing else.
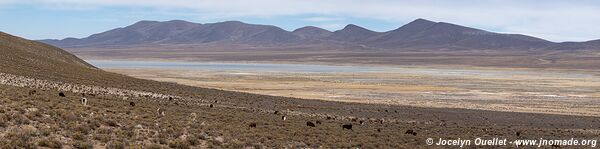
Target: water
(213, 66)
(308, 68)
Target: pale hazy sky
(555, 20)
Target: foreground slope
(34, 115)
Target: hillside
(23, 57)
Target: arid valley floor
(553, 91)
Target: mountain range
(419, 34)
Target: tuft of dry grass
(50, 143)
(82, 145)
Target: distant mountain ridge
(424, 33)
(352, 33)
(311, 32)
(420, 33)
(178, 31)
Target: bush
(21, 120)
(102, 137)
(116, 145)
(192, 140)
(50, 143)
(78, 136)
(153, 146)
(111, 123)
(70, 117)
(83, 128)
(82, 145)
(180, 144)
(18, 140)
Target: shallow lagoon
(214, 66)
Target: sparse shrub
(93, 124)
(124, 133)
(111, 123)
(192, 140)
(82, 145)
(116, 145)
(237, 144)
(85, 129)
(179, 144)
(35, 115)
(21, 120)
(102, 137)
(69, 117)
(153, 146)
(104, 130)
(50, 143)
(45, 132)
(162, 141)
(78, 136)
(20, 139)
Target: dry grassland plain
(551, 91)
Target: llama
(84, 101)
(253, 125)
(347, 126)
(160, 112)
(311, 124)
(32, 92)
(193, 117)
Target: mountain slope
(352, 33)
(234, 32)
(428, 34)
(311, 32)
(588, 45)
(24, 57)
(41, 61)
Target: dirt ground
(498, 89)
(45, 119)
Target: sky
(554, 20)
